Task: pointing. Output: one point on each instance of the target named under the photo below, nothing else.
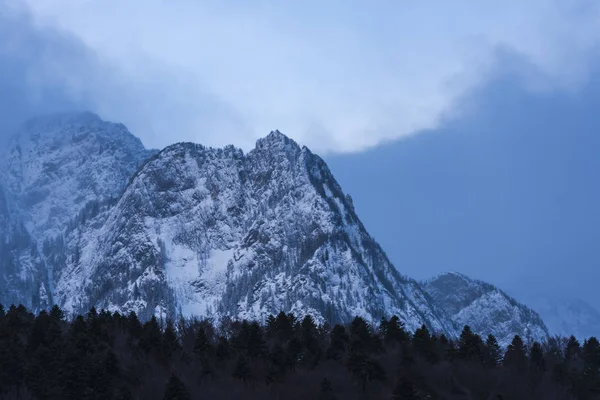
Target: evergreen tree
(536, 359)
(337, 342)
(223, 349)
(360, 335)
(134, 325)
(470, 346)
(493, 352)
(590, 354)
(202, 346)
(516, 354)
(151, 335)
(393, 330)
(170, 341)
(424, 344)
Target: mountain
(567, 316)
(89, 217)
(57, 164)
(54, 168)
(23, 279)
(485, 308)
(216, 232)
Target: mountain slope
(22, 275)
(57, 164)
(214, 232)
(567, 316)
(54, 168)
(485, 308)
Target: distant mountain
(567, 316)
(485, 308)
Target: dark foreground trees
(111, 356)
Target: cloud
(340, 76)
(35, 67)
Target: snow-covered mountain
(215, 232)
(91, 218)
(23, 278)
(57, 164)
(485, 308)
(567, 316)
(54, 168)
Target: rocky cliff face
(215, 232)
(485, 308)
(55, 165)
(53, 169)
(22, 273)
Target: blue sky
(507, 193)
(465, 131)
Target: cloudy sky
(339, 76)
(465, 130)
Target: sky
(465, 130)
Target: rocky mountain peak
(195, 231)
(485, 308)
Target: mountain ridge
(196, 231)
(485, 308)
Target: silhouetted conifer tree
(516, 355)
(493, 352)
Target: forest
(103, 355)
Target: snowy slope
(53, 168)
(215, 232)
(568, 316)
(485, 308)
(22, 273)
(55, 165)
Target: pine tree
(393, 331)
(170, 341)
(516, 355)
(176, 390)
(360, 335)
(151, 335)
(338, 340)
(590, 354)
(470, 346)
(223, 349)
(202, 346)
(493, 352)
(536, 359)
(424, 344)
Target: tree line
(103, 355)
